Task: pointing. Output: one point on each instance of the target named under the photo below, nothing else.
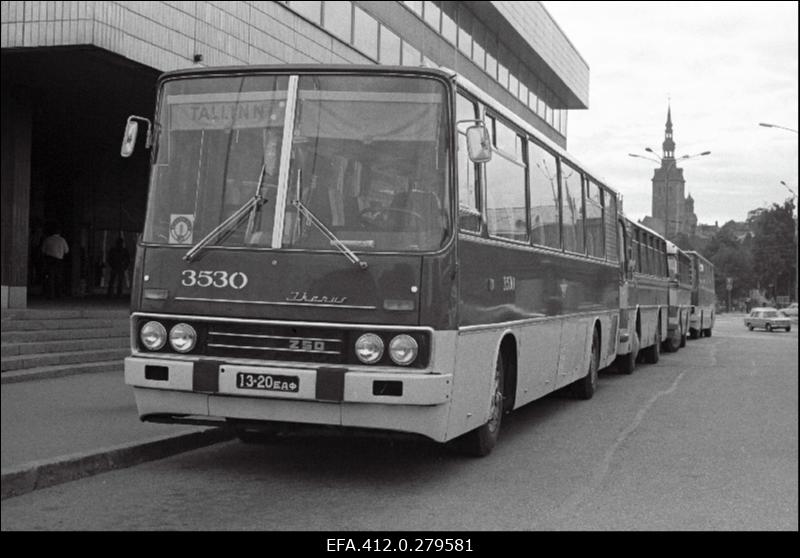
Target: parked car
(767, 318)
(790, 310)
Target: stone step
(66, 323)
(44, 372)
(57, 359)
(66, 345)
(45, 314)
(30, 336)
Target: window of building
(465, 31)
(491, 58)
(411, 56)
(365, 35)
(533, 101)
(449, 26)
(312, 11)
(478, 44)
(338, 19)
(415, 7)
(390, 47)
(595, 225)
(432, 15)
(506, 212)
(513, 84)
(544, 197)
(502, 74)
(468, 208)
(523, 93)
(572, 208)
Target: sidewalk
(61, 429)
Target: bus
(680, 297)
(704, 297)
(644, 295)
(369, 247)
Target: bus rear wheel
(626, 364)
(480, 441)
(586, 386)
(653, 353)
(673, 342)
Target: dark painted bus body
(704, 297)
(644, 295)
(680, 297)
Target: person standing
(54, 248)
(118, 260)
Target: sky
(723, 67)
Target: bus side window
(469, 215)
(543, 183)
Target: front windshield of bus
(367, 157)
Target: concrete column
(16, 126)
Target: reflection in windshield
(368, 159)
(220, 142)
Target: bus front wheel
(480, 441)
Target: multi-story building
(72, 71)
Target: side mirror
(479, 144)
(131, 131)
(129, 139)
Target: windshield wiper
(228, 224)
(347, 252)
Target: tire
(586, 386)
(480, 441)
(694, 333)
(626, 364)
(673, 342)
(683, 340)
(653, 353)
(768, 327)
(707, 332)
(750, 327)
(788, 329)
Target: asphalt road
(707, 439)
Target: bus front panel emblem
(181, 229)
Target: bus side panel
(653, 299)
(502, 282)
(438, 291)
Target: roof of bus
(699, 256)
(645, 228)
(420, 70)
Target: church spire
(668, 145)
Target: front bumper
(388, 399)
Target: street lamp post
(672, 164)
(776, 126)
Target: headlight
(403, 350)
(369, 348)
(153, 335)
(182, 337)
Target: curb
(56, 371)
(44, 473)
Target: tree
(774, 248)
(731, 259)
